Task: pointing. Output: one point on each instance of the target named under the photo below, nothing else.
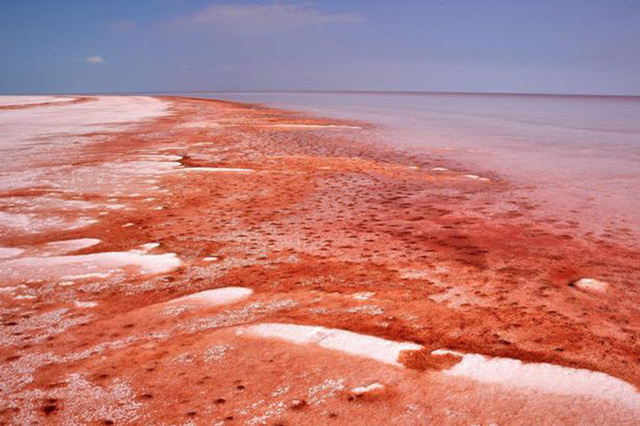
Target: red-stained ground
(327, 213)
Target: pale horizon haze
(91, 46)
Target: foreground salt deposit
(385, 351)
(542, 377)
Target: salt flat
(187, 261)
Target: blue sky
(542, 46)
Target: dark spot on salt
(48, 409)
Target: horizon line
(327, 91)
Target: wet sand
(207, 262)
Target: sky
(522, 46)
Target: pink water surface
(578, 157)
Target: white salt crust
(148, 247)
(66, 246)
(542, 377)
(372, 388)
(215, 297)
(85, 305)
(376, 348)
(88, 265)
(8, 252)
(592, 284)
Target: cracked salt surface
(542, 377)
(372, 347)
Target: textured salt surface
(65, 123)
(57, 267)
(215, 297)
(592, 284)
(61, 247)
(382, 350)
(7, 252)
(542, 377)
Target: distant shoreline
(320, 92)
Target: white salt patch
(149, 246)
(66, 246)
(85, 305)
(361, 390)
(381, 350)
(126, 225)
(592, 284)
(7, 252)
(365, 295)
(66, 123)
(24, 296)
(439, 169)
(210, 259)
(59, 267)
(97, 275)
(472, 176)
(413, 167)
(543, 377)
(217, 353)
(215, 297)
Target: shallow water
(576, 155)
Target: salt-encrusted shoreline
(210, 262)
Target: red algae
(279, 218)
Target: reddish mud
(328, 228)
